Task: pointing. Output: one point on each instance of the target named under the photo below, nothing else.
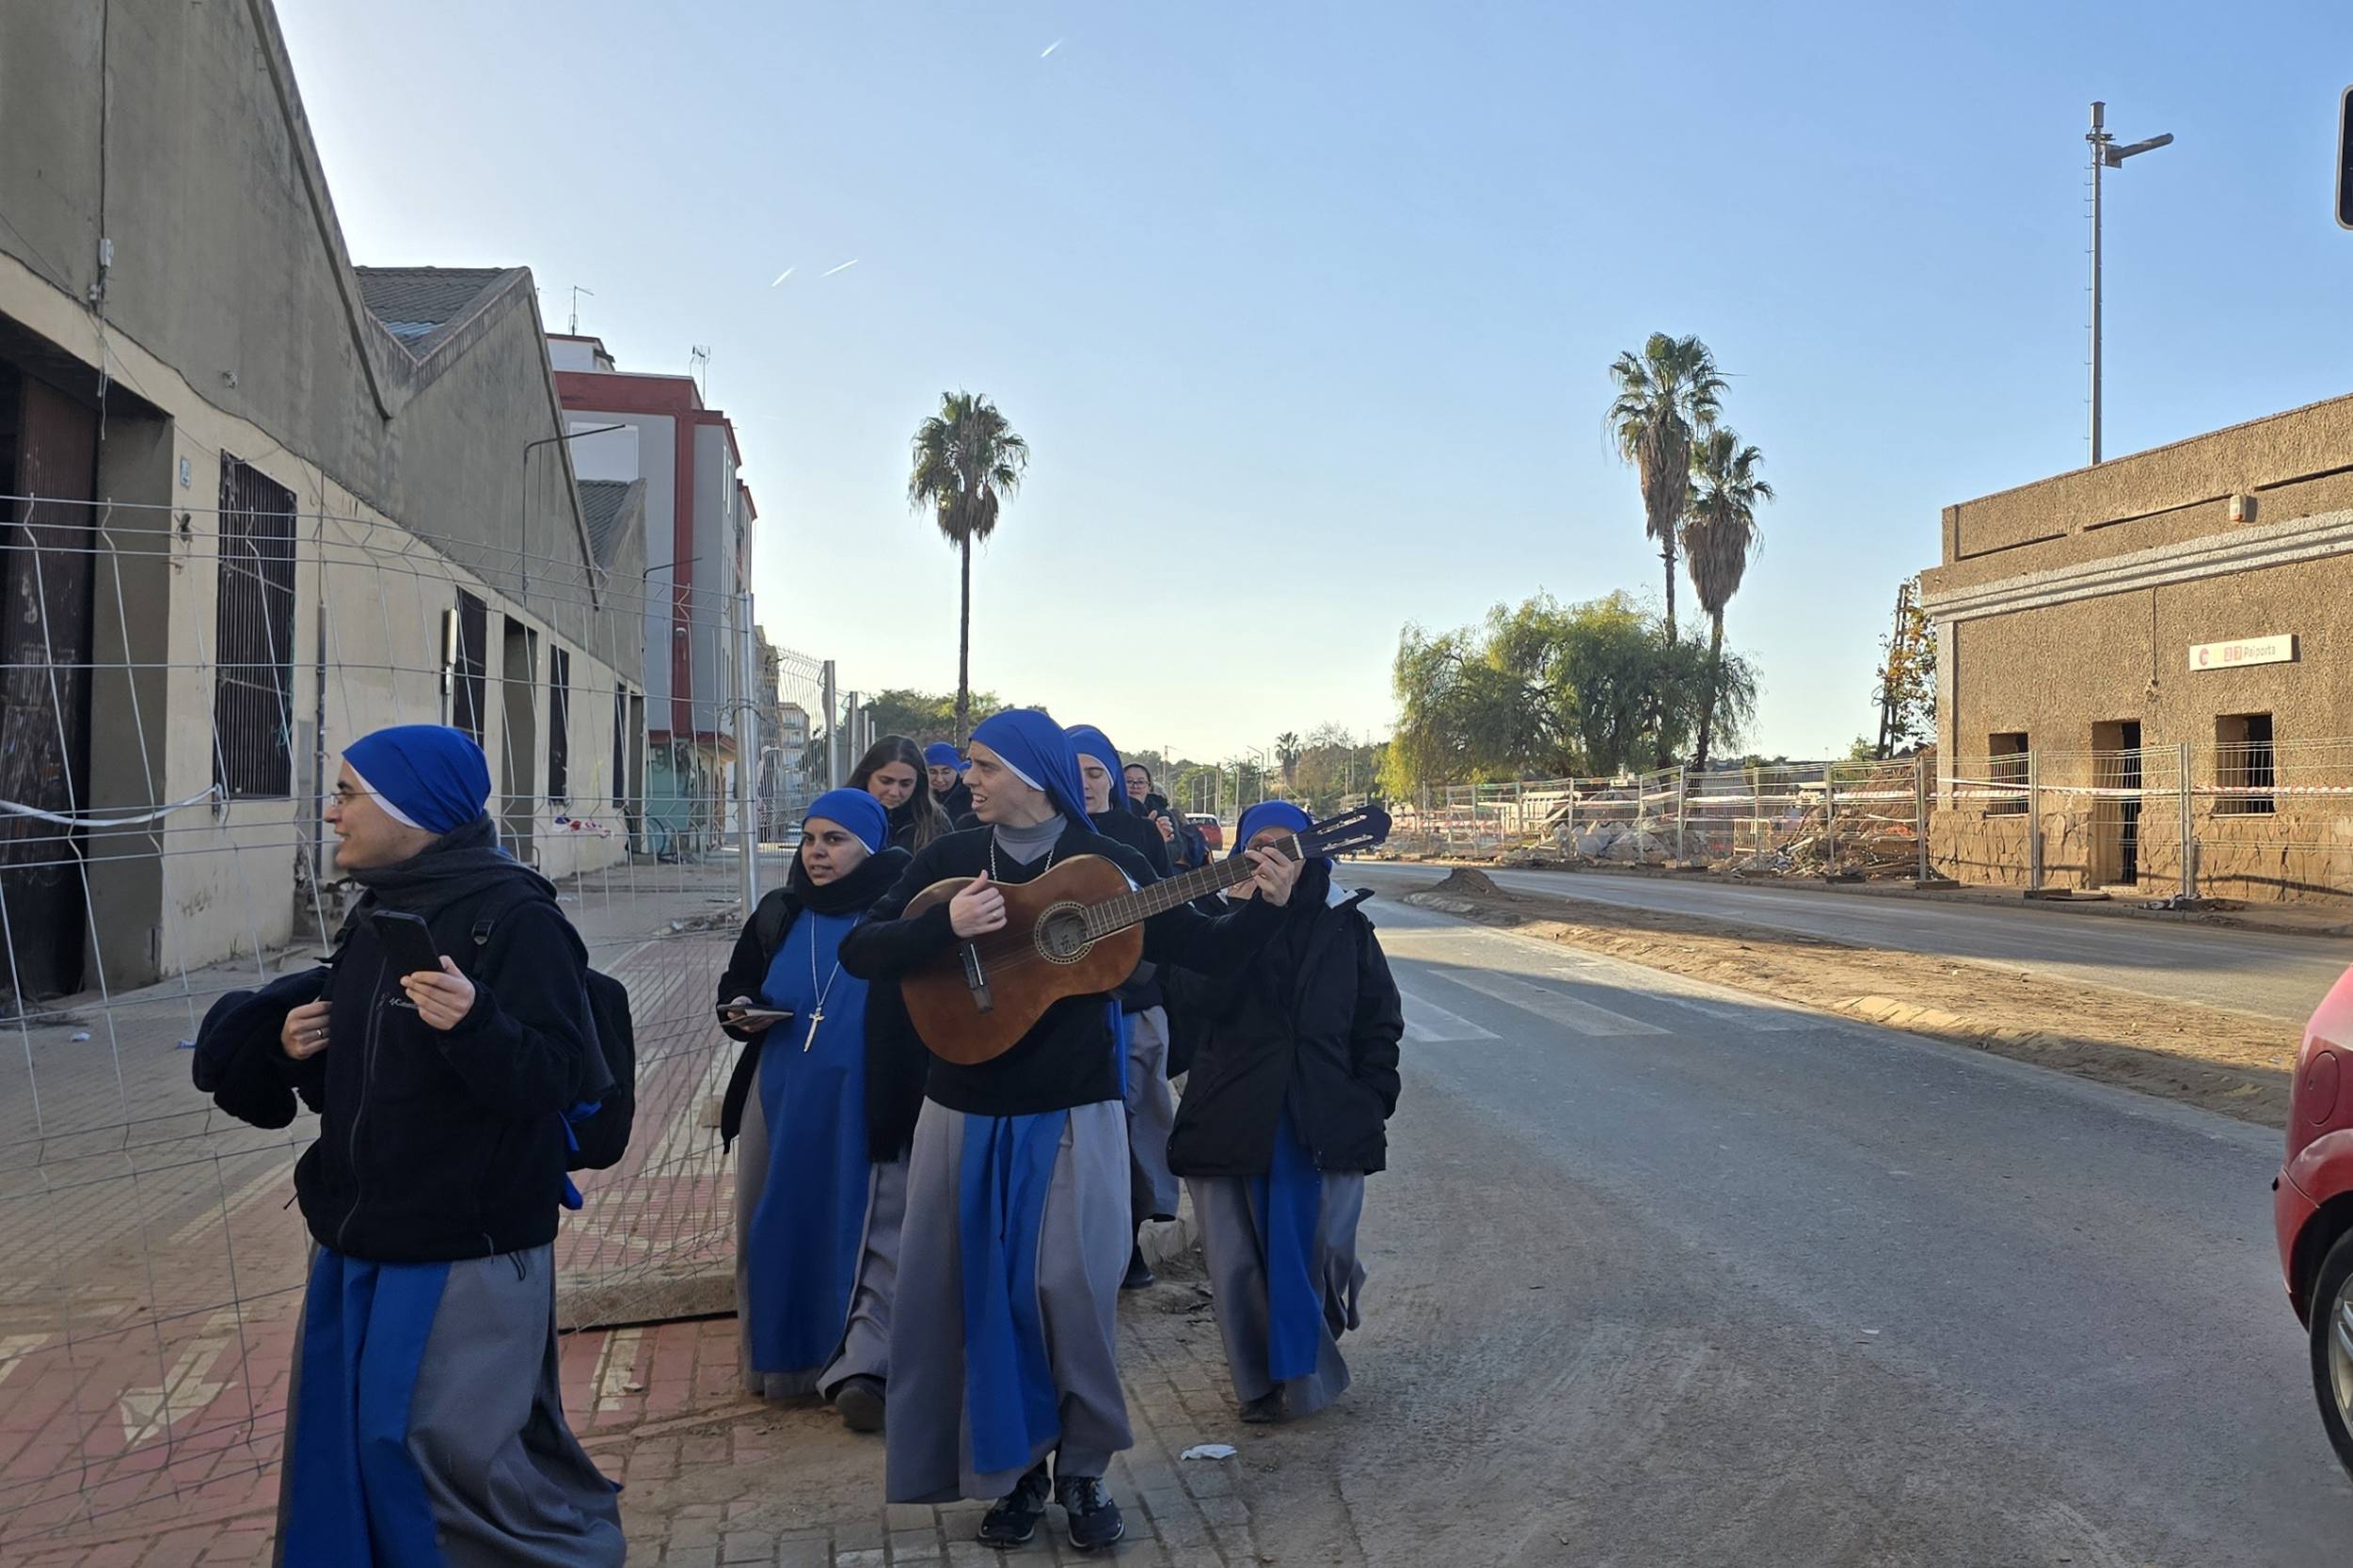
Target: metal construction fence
(174, 692)
(2242, 819)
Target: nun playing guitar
(1016, 1235)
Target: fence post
(1682, 788)
(2034, 822)
(1830, 818)
(747, 733)
(2189, 829)
(1519, 807)
(1919, 815)
(1569, 849)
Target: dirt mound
(1464, 883)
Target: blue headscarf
(1039, 754)
(1089, 741)
(855, 810)
(940, 755)
(1270, 814)
(428, 776)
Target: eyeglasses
(345, 795)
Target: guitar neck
(1134, 908)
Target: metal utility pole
(2104, 154)
(833, 726)
(747, 718)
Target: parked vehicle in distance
(1213, 831)
(2312, 1208)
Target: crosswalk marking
(1583, 1017)
(1427, 1023)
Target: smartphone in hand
(408, 944)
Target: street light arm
(2115, 156)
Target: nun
(824, 1100)
(1005, 1379)
(1294, 1079)
(946, 766)
(424, 1420)
(1151, 1108)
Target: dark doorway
(49, 457)
(2116, 808)
(519, 750)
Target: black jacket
(1314, 1020)
(1142, 990)
(895, 1058)
(432, 1147)
(1067, 1057)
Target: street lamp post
(2104, 154)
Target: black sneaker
(1014, 1519)
(1263, 1410)
(1094, 1518)
(1140, 1274)
(860, 1402)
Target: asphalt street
(2272, 976)
(1663, 1274)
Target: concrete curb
(1989, 898)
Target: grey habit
(1083, 1248)
(867, 1331)
(1234, 1252)
(508, 1484)
(1151, 1116)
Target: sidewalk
(153, 1270)
(715, 1478)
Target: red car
(2312, 1208)
(1213, 832)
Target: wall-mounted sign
(2277, 649)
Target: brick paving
(153, 1277)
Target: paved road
(1663, 1274)
(2275, 976)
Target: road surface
(2275, 976)
(1663, 1273)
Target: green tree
(1666, 396)
(924, 715)
(966, 461)
(1719, 539)
(1906, 687)
(1543, 688)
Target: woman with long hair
(893, 772)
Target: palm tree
(1719, 537)
(1667, 396)
(1287, 751)
(967, 459)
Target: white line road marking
(1583, 1018)
(1427, 1023)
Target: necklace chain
(816, 1014)
(1042, 870)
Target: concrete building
(700, 523)
(2168, 638)
(275, 500)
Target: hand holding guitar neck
(1275, 875)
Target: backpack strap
(770, 919)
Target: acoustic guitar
(1076, 930)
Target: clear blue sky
(1305, 310)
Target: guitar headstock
(1351, 831)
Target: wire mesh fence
(175, 690)
(2246, 819)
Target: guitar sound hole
(1062, 933)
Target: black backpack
(599, 1130)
